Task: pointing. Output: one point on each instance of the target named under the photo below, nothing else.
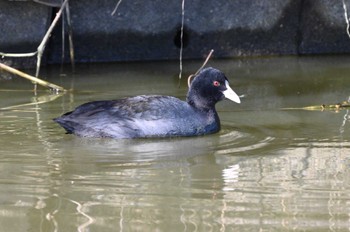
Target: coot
(154, 115)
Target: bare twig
(116, 7)
(31, 78)
(42, 45)
(63, 37)
(18, 54)
(346, 18)
(47, 3)
(182, 35)
(203, 65)
(70, 38)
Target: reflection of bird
(154, 115)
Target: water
(270, 168)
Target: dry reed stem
(116, 7)
(29, 54)
(42, 45)
(36, 80)
(336, 107)
(70, 37)
(203, 65)
(181, 37)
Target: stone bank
(150, 29)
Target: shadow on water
(267, 168)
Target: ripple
(138, 150)
(230, 140)
(246, 139)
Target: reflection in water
(290, 189)
(267, 169)
(230, 176)
(80, 209)
(345, 119)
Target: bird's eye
(216, 83)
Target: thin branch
(18, 54)
(182, 35)
(31, 78)
(206, 61)
(63, 37)
(116, 7)
(42, 45)
(70, 38)
(346, 18)
(47, 3)
(203, 65)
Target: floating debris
(333, 107)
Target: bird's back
(140, 116)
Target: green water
(269, 169)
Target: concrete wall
(150, 29)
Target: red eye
(216, 83)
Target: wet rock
(323, 27)
(139, 30)
(243, 28)
(150, 30)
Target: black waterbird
(154, 115)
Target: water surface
(270, 168)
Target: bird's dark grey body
(140, 116)
(152, 115)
